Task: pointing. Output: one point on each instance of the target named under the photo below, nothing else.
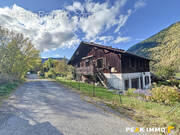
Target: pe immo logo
(149, 130)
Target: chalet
(113, 68)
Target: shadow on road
(42, 107)
(11, 124)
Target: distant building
(114, 68)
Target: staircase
(103, 79)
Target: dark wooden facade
(91, 57)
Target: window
(87, 63)
(126, 82)
(135, 83)
(78, 65)
(146, 80)
(82, 64)
(99, 63)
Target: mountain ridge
(59, 59)
(163, 47)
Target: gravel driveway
(43, 107)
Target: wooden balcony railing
(85, 70)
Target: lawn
(178, 75)
(150, 114)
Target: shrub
(174, 82)
(170, 82)
(57, 68)
(41, 73)
(50, 74)
(164, 94)
(165, 72)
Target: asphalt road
(43, 107)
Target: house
(113, 68)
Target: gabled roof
(104, 47)
(85, 47)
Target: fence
(95, 91)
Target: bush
(7, 88)
(164, 94)
(174, 82)
(165, 72)
(170, 82)
(41, 73)
(50, 74)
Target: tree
(53, 68)
(17, 55)
(47, 65)
(166, 72)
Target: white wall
(117, 79)
(126, 76)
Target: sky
(56, 27)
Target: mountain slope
(59, 59)
(163, 47)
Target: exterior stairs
(103, 80)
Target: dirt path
(43, 107)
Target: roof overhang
(85, 47)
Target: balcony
(85, 70)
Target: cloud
(121, 39)
(101, 17)
(66, 27)
(75, 7)
(54, 40)
(138, 4)
(105, 39)
(47, 32)
(122, 20)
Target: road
(44, 107)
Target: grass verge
(178, 74)
(7, 88)
(149, 114)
